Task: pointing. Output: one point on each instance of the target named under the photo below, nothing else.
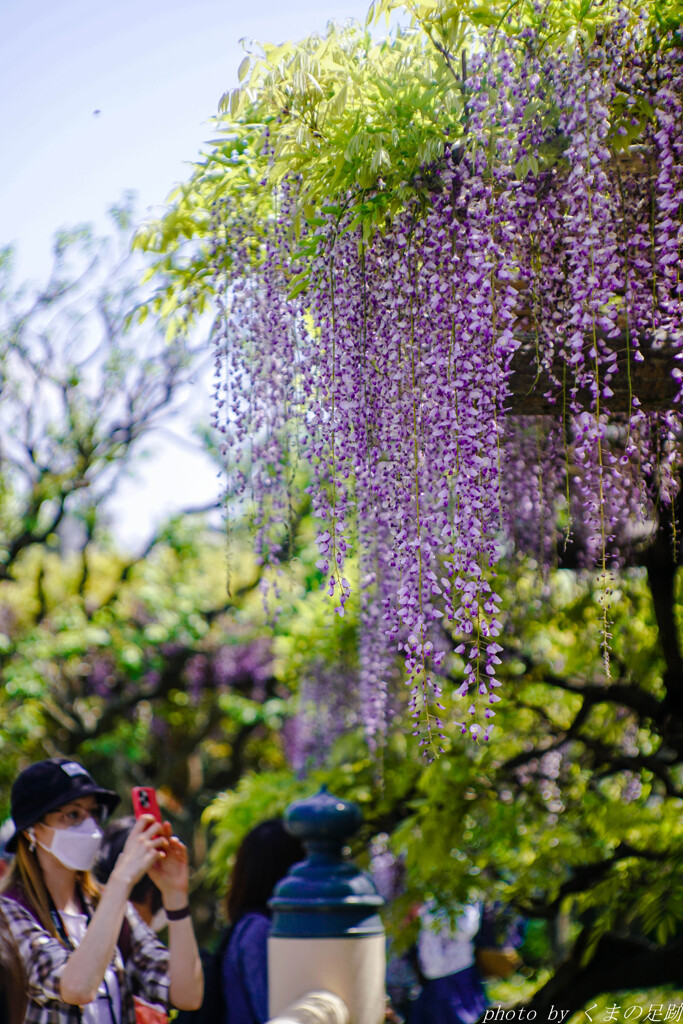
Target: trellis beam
(537, 390)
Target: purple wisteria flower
(391, 371)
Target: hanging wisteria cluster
(394, 370)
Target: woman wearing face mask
(84, 952)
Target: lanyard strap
(59, 925)
(66, 939)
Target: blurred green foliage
(571, 813)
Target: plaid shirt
(144, 974)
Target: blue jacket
(244, 971)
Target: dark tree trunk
(619, 964)
(650, 380)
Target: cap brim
(105, 796)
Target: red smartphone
(145, 802)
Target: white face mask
(76, 847)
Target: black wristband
(178, 915)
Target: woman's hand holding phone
(145, 845)
(170, 870)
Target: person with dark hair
(264, 857)
(70, 935)
(145, 895)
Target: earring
(31, 841)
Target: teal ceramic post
(326, 895)
(326, 933)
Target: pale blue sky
(154, 69)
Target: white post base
(352, 968)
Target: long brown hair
(27, 874)
(13, 985)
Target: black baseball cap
(47, 785)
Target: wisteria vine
(392, 371)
